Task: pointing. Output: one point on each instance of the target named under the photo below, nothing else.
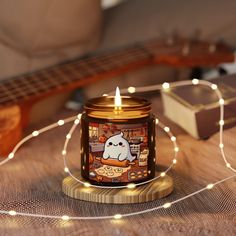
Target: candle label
(118, 152)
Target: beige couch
(38, 33)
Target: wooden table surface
(32, 183)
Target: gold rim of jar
(104, 108)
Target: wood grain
(10, 128)
(152, 191)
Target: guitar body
(10, 128)
(13, 119)
(17, 95)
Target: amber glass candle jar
(117, 142)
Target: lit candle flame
(118, 102)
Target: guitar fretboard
(81, 72)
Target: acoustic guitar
(17, 95)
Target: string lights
(76, 120)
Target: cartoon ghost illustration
(117, 147)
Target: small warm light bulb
(61, 122)
(195, 81)
(163, 174)
(76, 122)
(176, 149)
(118, 102)
(228, 165)
(210, 186)
(11, 155)
(221, 122)
(222, 101)
(131, 89)
(221, 145)
(132, 185)
(157, 121)
(167, 129)
(174, 161)
(66, 169)
(65, 217)
(35, 133)
(63, 152)
(68, 136)
(214, 86)
(105, 95)
(86, 184)
(117, 216)
(12, 213)
(167, 205)
(165, 85)
(173, 138)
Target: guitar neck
(85, 71)
(71, 75)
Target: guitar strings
(119, 54)
(119, 216)
(121, 59)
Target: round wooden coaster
(155, 190)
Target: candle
(117, 140)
